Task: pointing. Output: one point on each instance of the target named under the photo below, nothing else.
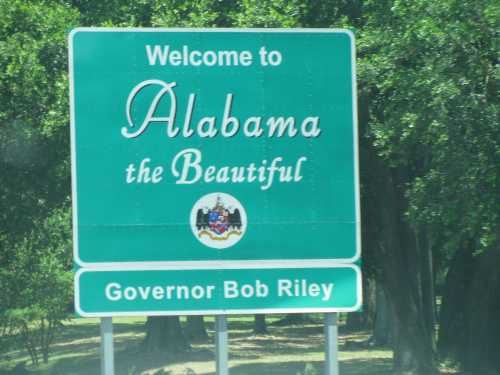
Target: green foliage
(34, 164)
(34, 160)
(40, 284)
(253, 13)
(428, 69)
(202, 13)
(34, 136)
(111, 12)
(270, 13)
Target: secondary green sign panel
(213, 145)
(229, 291)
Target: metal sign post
(221, 345)
(331, 344)
(107, 353)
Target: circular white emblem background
(218, 220)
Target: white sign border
(229, 263)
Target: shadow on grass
(278, 368)
(245, 329)
(128, 354)
(247, 324)
(77, 351)
(130, 358)
(72, 331)
(73, 338)
(373, 366)
(141, 362)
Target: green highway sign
(213, 149)
(231, 291)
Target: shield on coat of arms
(217, 220)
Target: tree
(365, 319)
(34, 133)
(164, 333)
(35, 229)
(427, 74)
(469, 329)
(195, 328)
(259, 324)
(383, 334)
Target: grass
(284, 351)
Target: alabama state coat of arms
(218, 220)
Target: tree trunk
(391, 249)
(400, 263)
(470, 327)
(164, 333)
(259, 324)
(364, 320)
(427, 280)
(293, 319)
(481, 353)
(383, 334)
(452, 335)
(469, 314)
(20, 369)
(355, 321)
(195, 328)
(414, 341)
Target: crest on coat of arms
(218, 220)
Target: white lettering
(169, 120)
(228, 119)
(113, 292)
(157, 54)
(284, 288)
(144, 292)
(158, 292)
(314, 130)
(208, 126)
(198, 292)
(209, 132)
(256, 131)
(231, 289)
(327, 291)
(163, 55)
(281, 124)
(130, 293)
(192, 159)
(187, 168)
(262, 290)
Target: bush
(38, 282)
